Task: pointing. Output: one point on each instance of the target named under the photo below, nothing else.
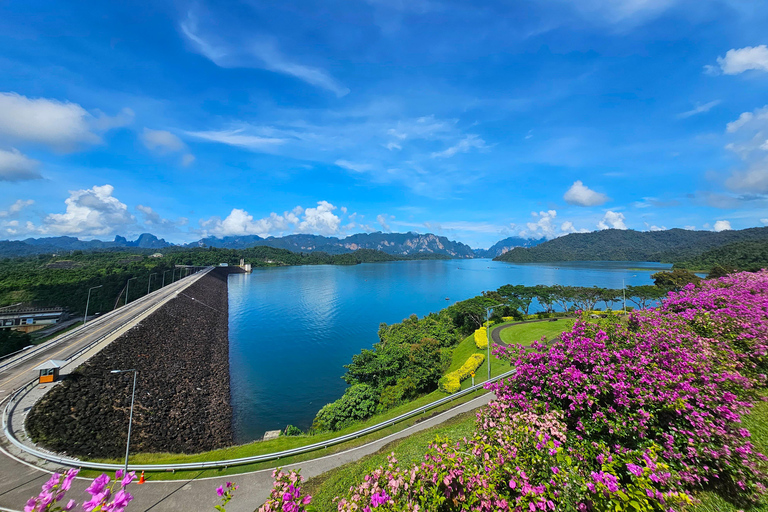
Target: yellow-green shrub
(507, 318)
(481, 337)
(451, 382)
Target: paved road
(18, 480)
(200, 494)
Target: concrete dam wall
(182, 403)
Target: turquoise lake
(292, 329)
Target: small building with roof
(49, 370)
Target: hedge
(481, 338)
(451, 382)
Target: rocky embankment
(182, 394)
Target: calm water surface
(292, 329)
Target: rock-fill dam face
(182, 402)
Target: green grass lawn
(525, 334)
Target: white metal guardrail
(72, 462)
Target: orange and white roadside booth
(49, 370)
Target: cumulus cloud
(612, 220)
(90, 212)
(61, 125)
(742, 121)
(722, 225)
(581, 195)
(163, 142)
(16, 207)
(743, 59)
(319, 220)
(545, 224)
(469, 142)
(15, 166)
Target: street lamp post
(127, 285)
(488, 331)
(624, 294)
(85, 318)
(149, 281)
(130, 418)
(164, 278)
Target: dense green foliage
(751, 255)
(674, 245)
(674, 280)
(13, 341)
(412, 356)
(359, 402)
(45, 280)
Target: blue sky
(472, 120)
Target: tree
(586, 298)
(608, 296)
(544, 295)
(643, 295)
(675, 280)
(562, 295)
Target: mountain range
(670, 246)
(673, 245)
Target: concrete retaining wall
(182, 393)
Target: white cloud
(16, 207)
(352, 166)
(393, 145)
(581, 195)
(754, 179)
(722, 225)
(743, 59)
(612, 220)
(161, 141)
(90, 212)
(15, 166)
(238, 138)
(699, 109)
(764, 221)
(469, 142)
(544, 226)
(320, 220)
(259, 54)
(690, 228)
(653, 227)
(743, 119)
(61, 125)
(567, 227)
(382, 220)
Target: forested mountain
(671, 246)
(748, 255)
(507, 244)
(400, 244)
(63, 244)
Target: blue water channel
(292, 329)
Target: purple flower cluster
(645, 412)
(286, 493)
(104, 497)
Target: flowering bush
(481, 337)
(103, 496)
(612, 416)
(286, 493)
(451, 382)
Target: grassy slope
(460, 355)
